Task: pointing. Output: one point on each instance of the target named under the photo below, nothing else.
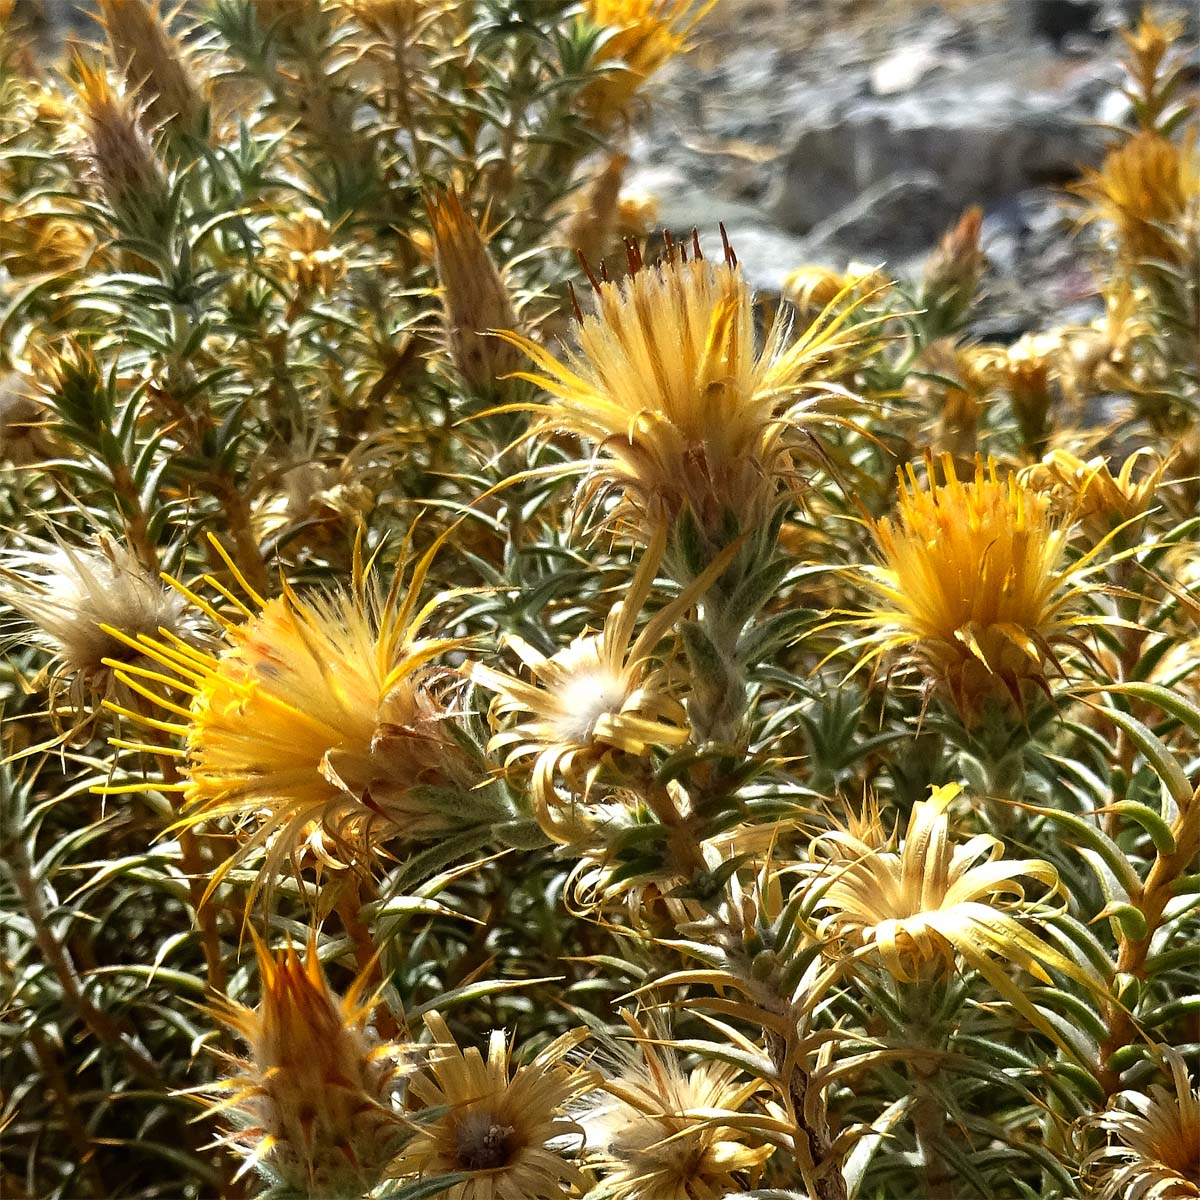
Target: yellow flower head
(659, 1132)
(1154, 1150)
(493, 1124)
(668, 387)
(594, 701)
(317, 725)
(303, 246)
(1148, 190)
(311, 1103)
(918, 906)
(973, 587)
(645, 34)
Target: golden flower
(504, 1129)
(476, 299)
(130, 175)
(810, 289)
(321, 726)
(72, 599)
(916, 907)
(1089, 489)
(302, 243)
(973, 587)
(153, 63)
(681, 409)
(1031, 373)
(656, 1131)
(645, 34)
(1156, 1155)
(311, 1105)
(36, 240)
(1148, 189)
(593, 702)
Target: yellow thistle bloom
(1156, 1155)
(476, 299)
(1148, 189)
(810, 289)
(659, 1132)
(973, 587)
(592, 702)
(680, 408)
(918, 906)
(499, 1126)
(311, 1105)
(316, 726)
(645, 35)
(302, 244)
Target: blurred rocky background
(840, 131)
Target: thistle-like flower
(657, 1131)
(475, 297)
(1154, 1142)
(302, 244)
(1089, 490)
(974, 588)
(321, 726)
(645, 35)
(311, 1105)
(505, 1130)
(71, 600)
(680, 408)
(916, 907)
(598, 702)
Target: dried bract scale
(154, 65)
(681, 409)
(597, 702)
(506, 1130)
(321, 728)
(1153, 1150)
(917, 905)
(70, 600)
(658, 1131)
(643, 36)
(475, 297)
(130, 176)
(974, 587)
(311, 1105)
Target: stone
(982, 142)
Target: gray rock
(981, 143)
(898, 217)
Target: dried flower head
(919, 905)
(657, 1131)
(321, 726)
(505, 1130)
(311, 1104)
(593, 704)
(130, 175)
(475, 297)
(680, 408)
(154, 65)
(645, 35)
(1154, 1142)
(1089, 490)
(70, 600)
(37, 240)
(974, 588)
